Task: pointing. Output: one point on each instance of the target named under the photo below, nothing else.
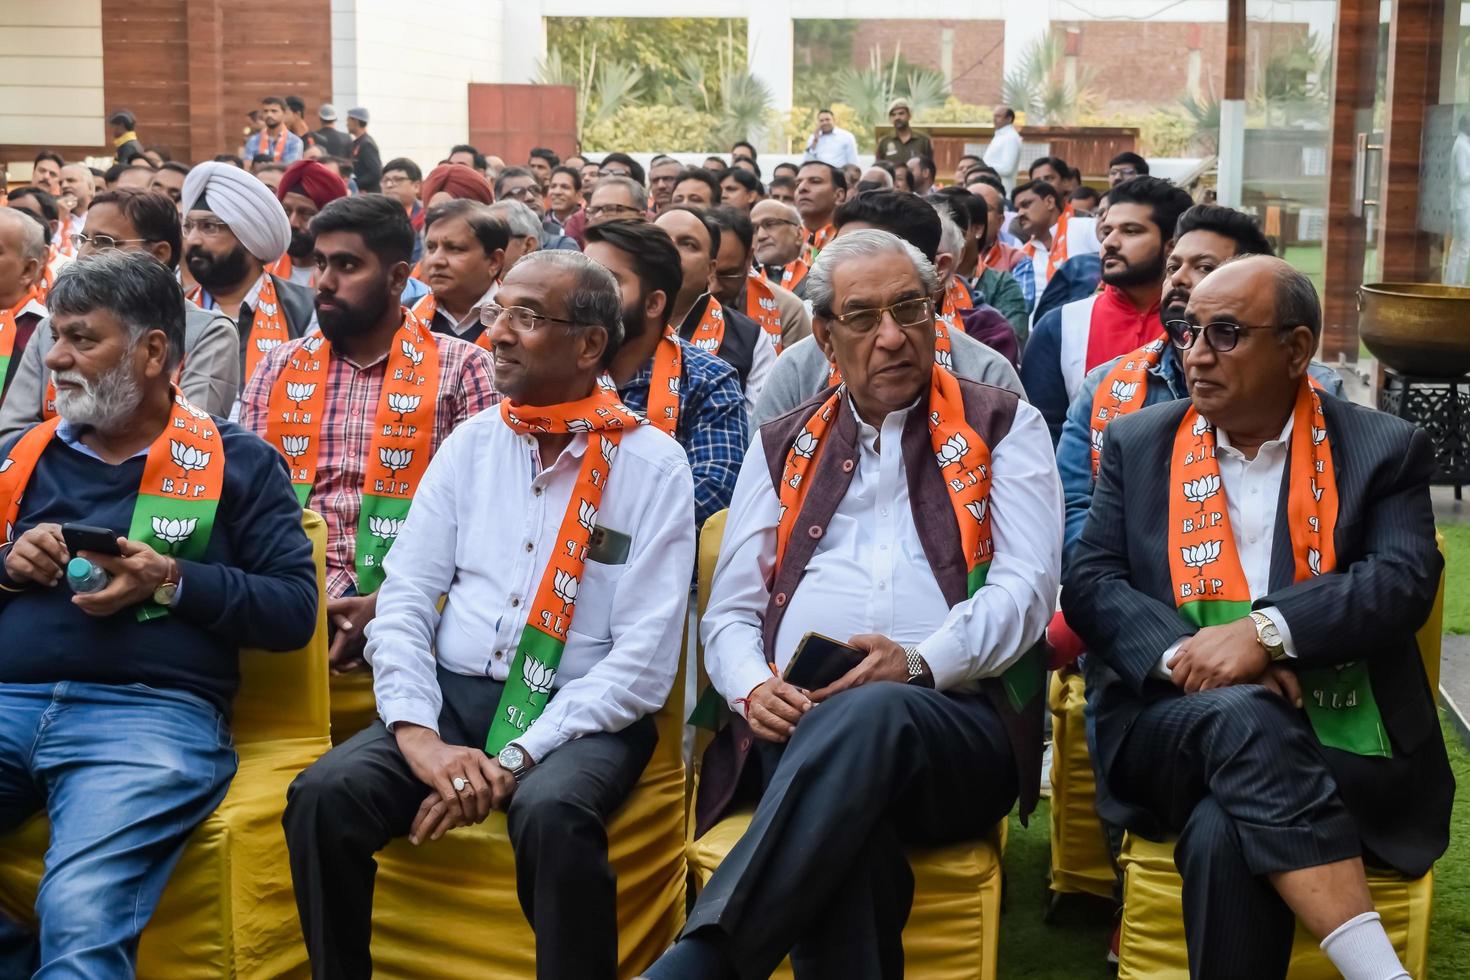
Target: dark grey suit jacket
(1117, 595)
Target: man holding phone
(114, 705)
(917, 517)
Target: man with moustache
(305, 188)
(782, 316)
(1138, 232)
(464, 256)
(22, 266)
(340, 408)
(663, 175)
(820, 188)
(778, 243)
(134, 221)
(683, 390)
(616, 199)
(233, 228)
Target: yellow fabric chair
(953, 931)
(449, 909)
(1152, 945)
(1080, 859)
(229, 909)
(353, 705)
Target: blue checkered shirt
(712, 426)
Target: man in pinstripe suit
(1290, 735)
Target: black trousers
(821, 873)
(362, 794)
(1237, 773)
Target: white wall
(51, 73)
(410, 65)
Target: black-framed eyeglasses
(1220, 337)
(521, 319)
(521, 193)
(611, 210)
(772, 224)
(1122, 172)
(905, 313)
(103, 242)
(614, 173)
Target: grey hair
(519, 218)
(788, 209)
(32, 238)
(134, 286)
(637, 193)
(951, 239)
(594, 298)
(861, 245)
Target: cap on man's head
(327, 112)
(122, 117)
(898, 103)
(358, 113)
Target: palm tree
(1039, 83)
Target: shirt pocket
(589, 637)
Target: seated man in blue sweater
(114, 704)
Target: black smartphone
(820, 660)
(84, 537)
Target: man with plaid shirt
(362, 257)
(710, 414)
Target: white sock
(1360, 950)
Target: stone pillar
(769, 52)
(523, 40)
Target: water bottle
(85, 577)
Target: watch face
(511, 757)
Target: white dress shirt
(482, 527)
(762, 360)
(869, 573)
(1004, 154)
(1252, 488)
(471, 319)
(838, 148)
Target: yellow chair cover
(1080, 860)
(1152, 944)
(353, 705)
(465, 884)
(229, 909)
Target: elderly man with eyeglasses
(617, 198)
(915, 517)
(133, 221)
(560, 531)
(519, 184)
(778, 243)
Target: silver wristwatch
(915, 663)
(514, 760)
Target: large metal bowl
(1416, 327)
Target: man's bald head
(1260, 289)
(778, 232)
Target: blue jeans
(125, 773)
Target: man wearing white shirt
(1003, 155)
(464, 254)
(561, 627)
(916, 517)
(831, 144)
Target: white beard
(101, 404)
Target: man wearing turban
(452, 180)
(233, 229)
(306, 187)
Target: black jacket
(741, 335)
(1117, 595)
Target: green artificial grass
(1457, 578)
(1074, 945)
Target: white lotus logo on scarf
(565, 587)
(586, 514)
(1097, 438)
(187, 457)
(174, 530)
(579, 425)
(673, 386)
(538, 676)
(1198, 491)
(312, 344)
(403, 404)
(805, 444)
(413, 353)
(6, 465)
(395, 459)
(953, 450)
(386, 528)
(707, 343)
(978, 509)
(609, 451)
(606, 383)
(198, 413)
(300, 391)
(1123, 391)
(269, 309)
(1318, 435)
(1200, 555)
(266, 344)
(295, 446)
(1153, 346)
(1201, 426)
(944, 359)
(1314, 561)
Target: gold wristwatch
(1268, 636)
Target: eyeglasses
(772, 224)
(205, 227)
(521, 319)
(615, 173)
(905, 313)
(732, 276)
(393, 181)
(1219, 337)
(1123, 172)
(103, 242)
(611, 209)
(521, 193)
